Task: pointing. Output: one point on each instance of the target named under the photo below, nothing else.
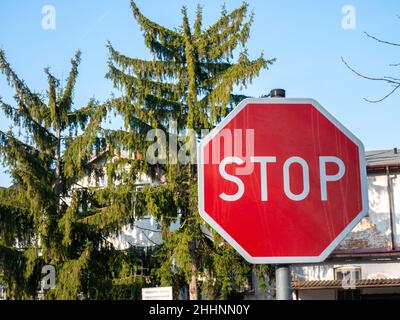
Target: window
(348, 276)
(349, 295)
(348, 273)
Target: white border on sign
(290, 259)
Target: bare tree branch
(390, 80)
(385, 97)
(382, 41)
(367, 77)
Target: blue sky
(306, 37)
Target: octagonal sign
(282, 180)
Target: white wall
(374, 232)
(396, 201)
(325, 271)
(144, 233)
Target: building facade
(366, 265)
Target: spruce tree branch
(136, 117)
(139, 87)
(238, 74)
(223, 23)
(16, 113)
(9, 138)
(52, 93)
(7, 252)
(78, 152)
(66, 100)
(145, 69)
(19, 85)
(27, 164)
(162, 42)
(213, 69)
(199, 21)
(150, 26)
(104, 219)
(221, 39)
(81, 116)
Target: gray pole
(282, 272)
(283, 282)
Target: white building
(366, 265)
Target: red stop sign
(282, 180)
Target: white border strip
(291, 259)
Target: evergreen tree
(48, 217)
(189, 82)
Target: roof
(383, 158)
(337, 284)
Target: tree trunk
(58, 153)
(193, 290)
(57, 187)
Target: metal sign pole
(283, 277)
(283, 282)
